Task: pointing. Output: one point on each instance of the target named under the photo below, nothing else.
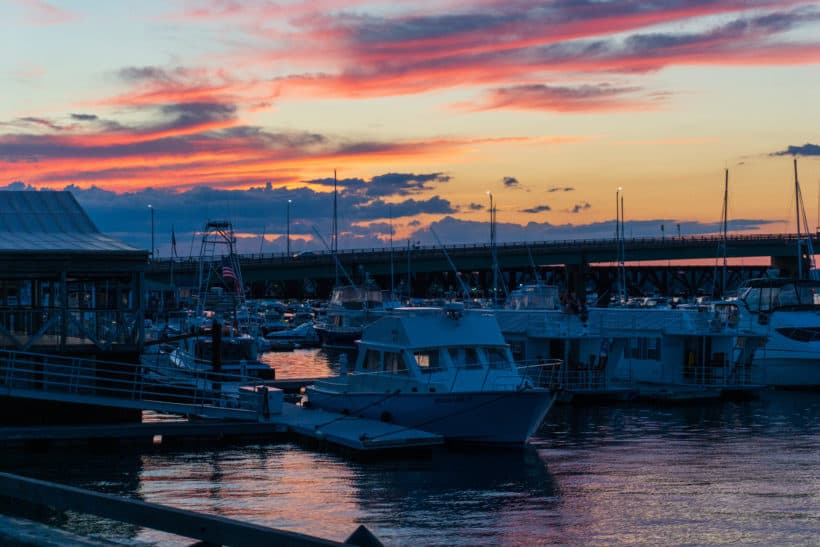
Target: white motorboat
(443, 370)
(618, 352)
(789, 310)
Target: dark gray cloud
(475, 207)
(511, 182)
(583, 206)
(389, 184)
(537, 209)
(403, 184)
(194, 114)
(560, 189)
(84, 117)
(807, 149)
(134, 74)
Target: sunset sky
(228, 109)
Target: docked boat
(443, 370)
(302, 336)
(221, 305)
(351, 307)
(623, 352)
(789, 310)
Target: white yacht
(443, 370)
(620, 352)
(789, 310)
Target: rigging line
(336, 258)
(452, 265)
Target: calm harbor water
(715, 473)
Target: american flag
(228, 274)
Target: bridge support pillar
(786, 264)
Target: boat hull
(498, 417)
(791, 371)
(338, 338)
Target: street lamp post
(288, 222)
(151, 207)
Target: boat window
(394, 364)
(372, 360)
(786, 296)
(464, 357)
(653, 349)
(768, 295)
(801, 334)
(497, 358)
(752, 299)
(427, 360)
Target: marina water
(697, 474)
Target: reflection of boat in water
(351, 308)
(789, 310)
(441, 370)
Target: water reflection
(714, 473)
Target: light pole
(288, 236)
(151, 207)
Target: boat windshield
(767, 296)
(534, 297)
(497, 358)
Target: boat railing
(540, 373)
(582, 379)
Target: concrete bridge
(576, 262)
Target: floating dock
(294, 422)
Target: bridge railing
(632, 242)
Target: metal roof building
(64, 286)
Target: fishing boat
(444, 370)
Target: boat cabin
(435, 350)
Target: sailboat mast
(335, 237)
(725, 228)
(797, 216)
(392, 285)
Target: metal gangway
(147, 385)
